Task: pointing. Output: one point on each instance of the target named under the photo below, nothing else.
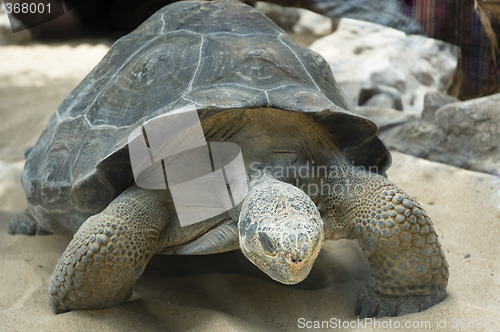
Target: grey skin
(314, 167)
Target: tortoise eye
(267, 244)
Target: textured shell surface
(214, 55)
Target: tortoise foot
(24, 224)
(371, 304)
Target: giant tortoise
(313, 169)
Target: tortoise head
(280, 230)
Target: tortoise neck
(346, 181)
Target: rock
(385, 117)
(389, 13)
(284, 17)
(313, 23)
(380, 96)
(464, 134)
(434, 101)
(296, 20)
(365, 54)
(383, 100)
(7, 37)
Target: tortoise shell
(216, 55)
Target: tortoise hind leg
(109, 252)
(24, 224)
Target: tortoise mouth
(270, 254)
(290, 273)
(287, 267)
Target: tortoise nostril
(296, 260)
(293, 259)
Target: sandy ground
(226, 292)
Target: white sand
(226, 292)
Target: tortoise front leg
(109, 252)
(409, 270)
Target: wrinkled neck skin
(343, 182)
(347, 181)
(343, 189)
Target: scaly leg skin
(109, 252)
(409, 270)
